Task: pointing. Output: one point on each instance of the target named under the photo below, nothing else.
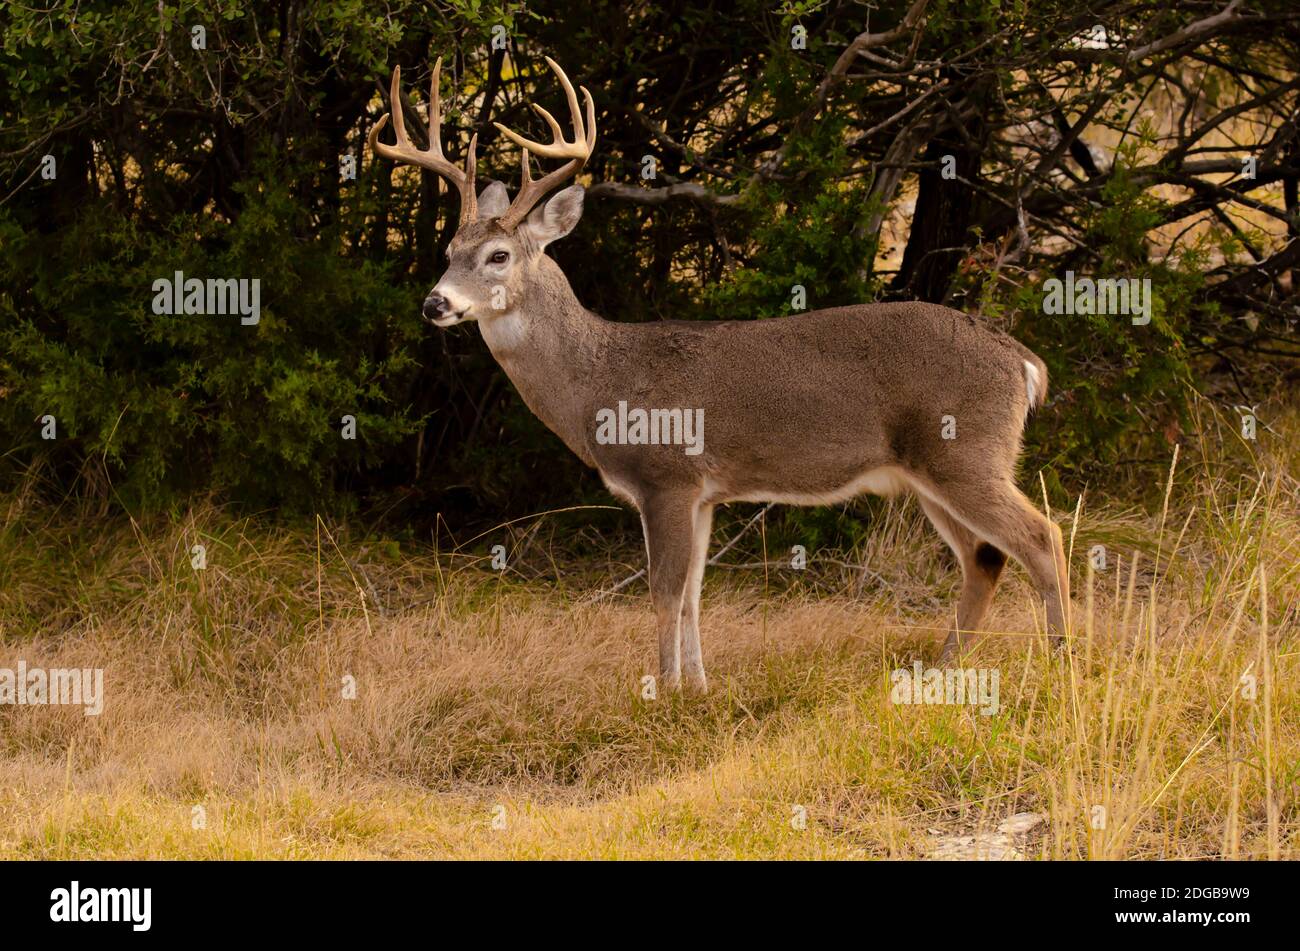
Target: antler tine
(468, 199)
(559, 148)
(577, 151)
(395, 105)
(432, 158)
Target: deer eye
(498, 257)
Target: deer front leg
(668, 519)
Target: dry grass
(481, 696)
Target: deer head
(497, 255)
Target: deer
(810, 409)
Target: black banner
(138, 901)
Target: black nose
(435, 306)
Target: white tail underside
(1031, 383)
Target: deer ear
(493, 201)
(557, 217)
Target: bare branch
(687, 191)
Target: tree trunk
(945, 209)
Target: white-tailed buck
(810, 409)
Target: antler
(432, 158)
(577, 151)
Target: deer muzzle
(438, 310)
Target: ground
(310, 696)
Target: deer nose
(435, 306)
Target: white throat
(504, 333)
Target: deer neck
(550, 348)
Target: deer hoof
(695, 686)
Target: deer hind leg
(669, 522)
(692, 656)
(999, 513)
(981, 566)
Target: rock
(983, 847)
(1001, 846)
(1021, 823)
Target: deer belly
(883, 480)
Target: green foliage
(810, 234)
(1117, 388)
(191, 401)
